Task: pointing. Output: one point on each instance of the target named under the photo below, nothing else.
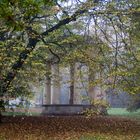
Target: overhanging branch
(32, 44)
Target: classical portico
(77, 79)
(75, 85)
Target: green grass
(94, 136)
(74, 136)
(123, 112)
(20, 114)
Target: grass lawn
(122, 112)
(74, 136)
(20, 114)
(95, 136)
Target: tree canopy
(103, 34)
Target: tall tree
(27, 22)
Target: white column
(91, 78)
(55, 85)
(77, 90)
(99, 90)
(47, 95)
(96, 92)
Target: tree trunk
(0, 117)
(2, 108)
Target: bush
(100, 108)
